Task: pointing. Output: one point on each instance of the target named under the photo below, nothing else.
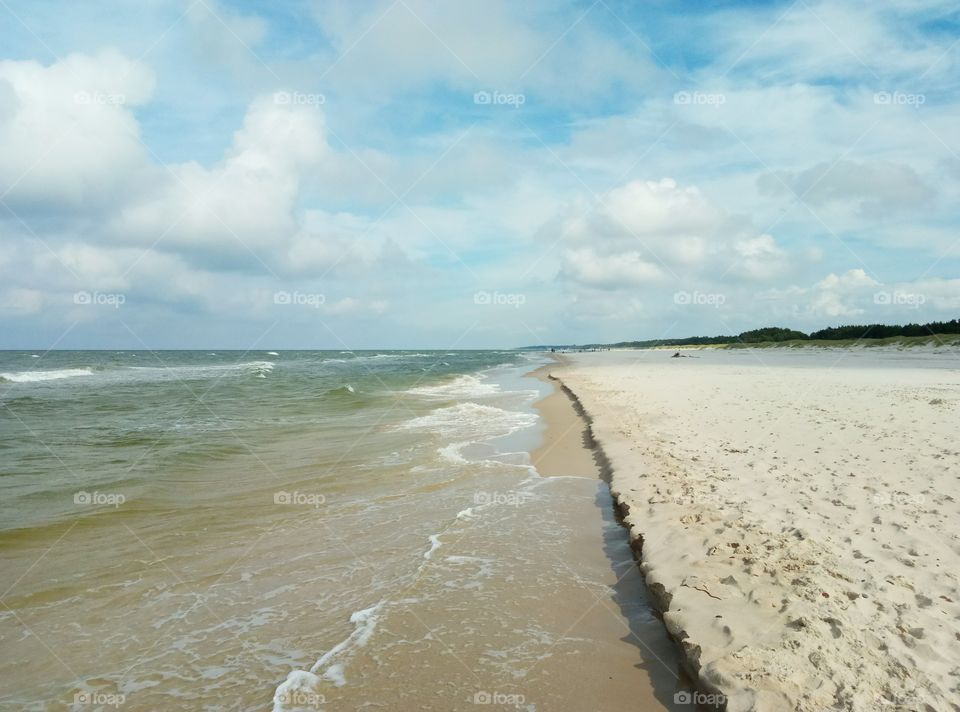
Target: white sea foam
(272, 353)
(435, 544)
(471, 422)
(52, 374)
(187, 371)
(451, 453)
(261, 368)
(298, 686)
(334, 673)
(465, 386)
(364, 622)
(308, 681)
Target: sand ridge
(799, 524)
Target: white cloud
(68, 136)
(244, 203)
(627, 269)
(473, 45)
(645, 231)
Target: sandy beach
(795, 517)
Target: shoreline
(655, 594)
(568, 446)
(792, 521)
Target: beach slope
(797, 517)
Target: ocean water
(288, 531)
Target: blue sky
(423, 174)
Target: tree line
(833, 333)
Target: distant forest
(834, 333)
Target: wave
(254, 368)
(52, 374)
(471, 422)
(435, 544)
(382, 357)
(261, 368)
(300, 684)
(465, 386)
(142, 374)
(346, 391)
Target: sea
(300, 530)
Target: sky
(347, 174)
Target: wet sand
(642, 661)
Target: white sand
(799, 515)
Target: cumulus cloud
(627, 269)
(245, 202)
(398, 179)
(68, 135)
(646, 231)
(835, 296)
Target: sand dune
(799, 517)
